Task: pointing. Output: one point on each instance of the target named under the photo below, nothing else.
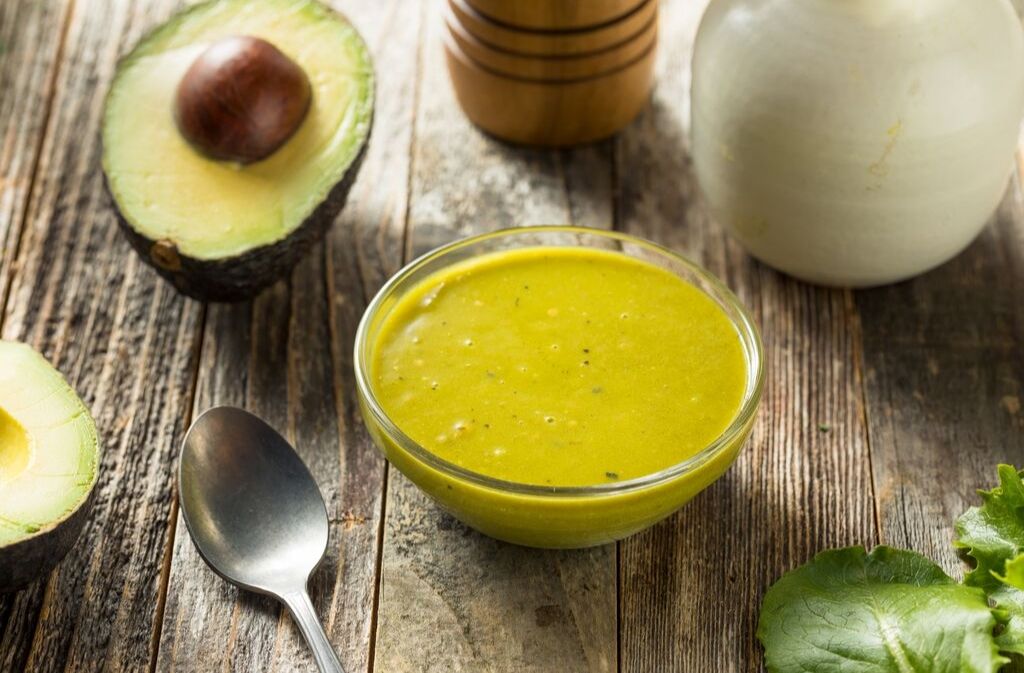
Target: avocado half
(49, 459)
(222, 230)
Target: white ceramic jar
(856, 142)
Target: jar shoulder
(812, 59)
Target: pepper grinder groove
(551, 72)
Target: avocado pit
(241, 99)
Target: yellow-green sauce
(559, 366)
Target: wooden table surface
(884, 410)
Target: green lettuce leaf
(1014, 572)
(993, 536)
(890, 611)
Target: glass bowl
(556, 516)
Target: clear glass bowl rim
(736, 311)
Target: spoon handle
(313, 631)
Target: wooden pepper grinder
(551, 72)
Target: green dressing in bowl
(559, 366)
(558, 386)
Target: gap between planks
(404, 255)
(848, 301)
(859, 375)
(362, 281)
(19, 225)
(172, 524)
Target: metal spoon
(256, 514)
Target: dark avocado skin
(30, 559)
(231, 279)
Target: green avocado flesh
(48, 447)
(167, 191)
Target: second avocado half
(231, 136)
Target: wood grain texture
(287, 357)
(465, 182)
(128, 344)
(692, 586)
(945, 381)
(363, 250)
(930, 371)
(31, 35)
(369, 236)
(271, 356)
(451, 599)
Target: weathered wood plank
(287, 357)
(375, 220)
(31, 35)
(944, 361)
(128, 343)
(370, 233)
(691, 587)
(451, 599)
(269, 356)
(944, 383)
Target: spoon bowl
(255, 513)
